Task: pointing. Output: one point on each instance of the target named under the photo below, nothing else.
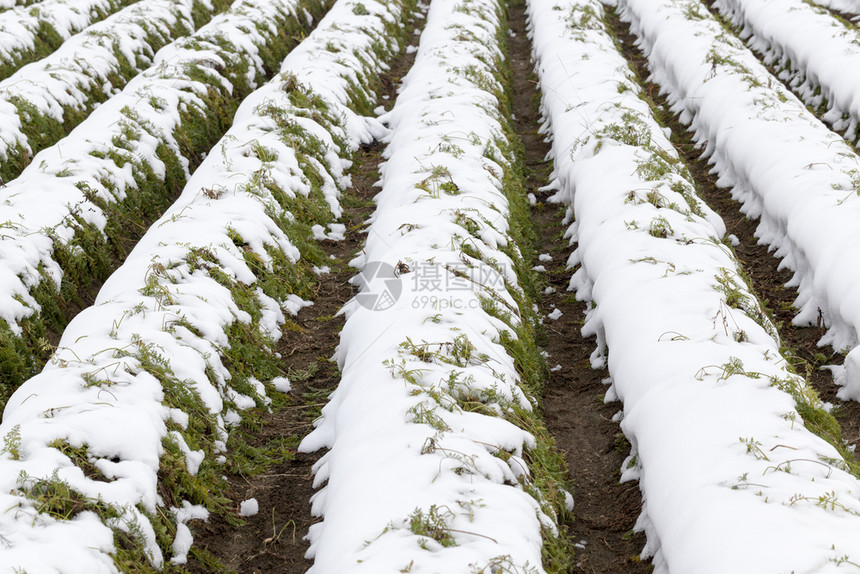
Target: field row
(437, 459)
(43, 101)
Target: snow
(403, 453)
(819, 54)
(415, 448)
(714, 434)
(21, 26)
(282, 384)
(183, 540)
(249, 507)
(67, 182)
(61, 81)
(849, 7)
(732, 107)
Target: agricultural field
(430, 286)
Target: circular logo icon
(379, 286)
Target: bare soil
(272, 540)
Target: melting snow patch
(182, 542)
(336, 233)
(249, 507)
(282, 384)
(294, 304)
(556, 313)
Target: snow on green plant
(437, 460)
(849, 8)
(7, 4)
(819, 64)
(802, 184)
(117, 442)
(30, 33)
(43, 101)
(74, 212)
(692, 355)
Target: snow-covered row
(427, 470)
(732, 480)
(847, 7)
(43, 101)
(28, 33)
(8, 4)
(73, 210)
(784, 165)
(133, 412)
(816, 54)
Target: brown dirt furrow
(605, 510)
(766, 279)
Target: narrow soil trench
(767, 280)
(605, 510)
(273, 539)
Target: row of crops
(172, 172)
(436, 455)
